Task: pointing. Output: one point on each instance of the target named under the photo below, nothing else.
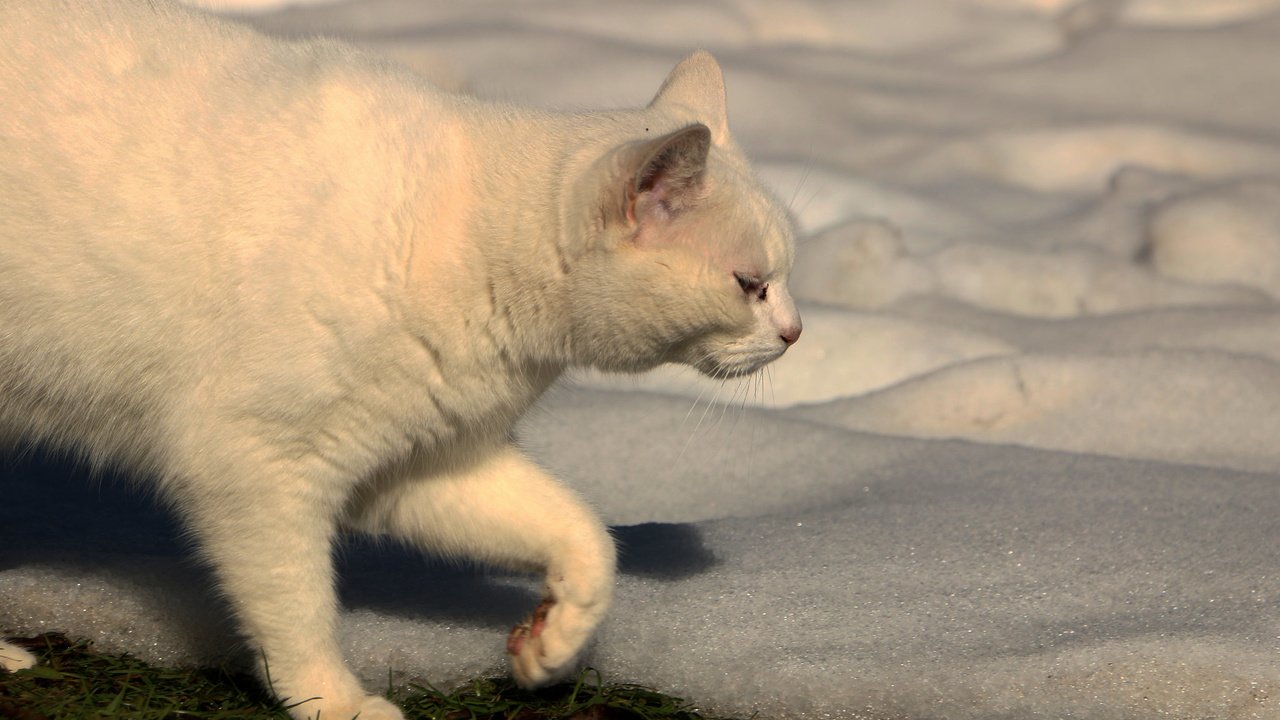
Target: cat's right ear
(695, 88)
(665, 175)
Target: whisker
(733, 399)
(752, 439)
(719, 370)
(711, 401)
(773, 399)
(804, 176)
(749, 386)
(797, 210)
(700, 394)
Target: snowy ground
(1025, 461)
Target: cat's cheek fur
(635, 308)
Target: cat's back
(181, 198)
(64, 64)
(151, 148)
(106, 108)
(146, 90)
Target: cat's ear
(665, 175)
(696, 85)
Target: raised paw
(544, 647)
(530, 628)
(14, 658)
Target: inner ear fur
(666, 173)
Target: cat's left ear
(666, 174)
(696, 86)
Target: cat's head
(687, 255)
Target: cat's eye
(752, 285)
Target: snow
(1022, 463)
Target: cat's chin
(729, 367)
(731, 373)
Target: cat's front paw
(544, 647)
(13, 658)
(378, 708)
(370, 707)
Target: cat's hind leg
(507, 511)
(14, 658)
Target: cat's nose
(791, 335)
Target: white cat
(307, 292)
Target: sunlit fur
(305, 291)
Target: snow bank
(865, 265)
(1220, 236)
(1192, 407)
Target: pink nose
(791, 335)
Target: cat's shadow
(54, 513)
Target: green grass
(73, 682)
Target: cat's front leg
(503, 509)
(267, 531)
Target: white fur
(306, 291)
(14, 658)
